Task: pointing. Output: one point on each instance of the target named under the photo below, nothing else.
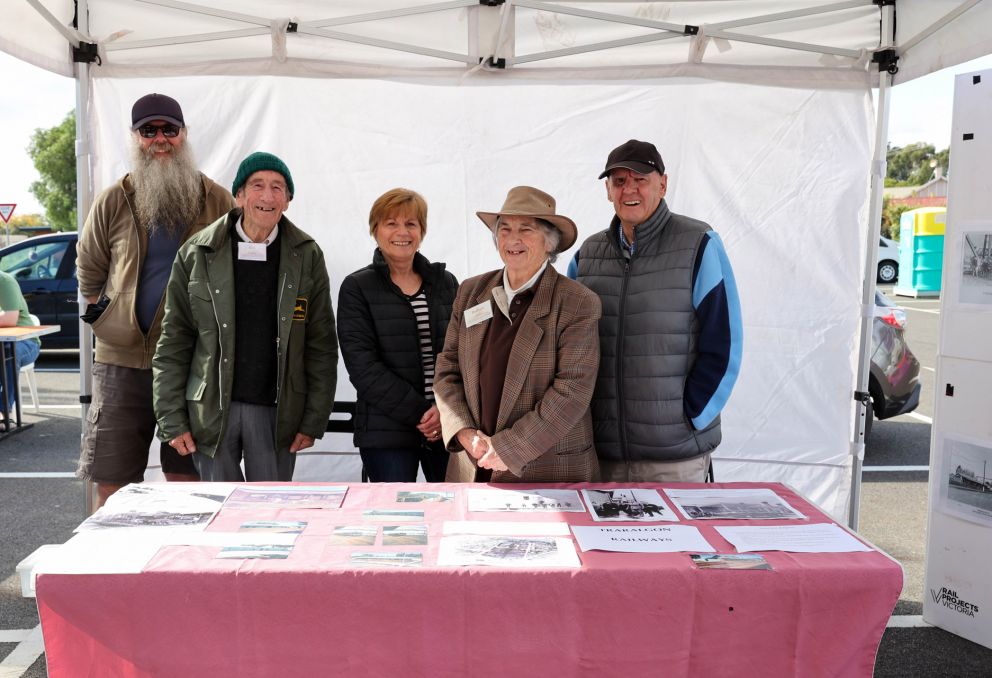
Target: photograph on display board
(732, 504)
(354, 535)
(404, 535)
(633, 504)
(966, 480)
(976, 268)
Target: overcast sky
(32, 98)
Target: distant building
(931, 194)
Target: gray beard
(168, 195)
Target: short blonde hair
(396, 200)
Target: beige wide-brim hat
(527, 201)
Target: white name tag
(251, 251)
(478, 314)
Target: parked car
(894, 379)
(45, 268)
(888, 260)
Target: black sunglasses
(151, 131)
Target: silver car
(894, 381)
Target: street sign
(6, 211)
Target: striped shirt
(418, 302)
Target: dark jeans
(399, 465)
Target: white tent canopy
(762, 111)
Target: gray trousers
(686, 471)
(250, 436)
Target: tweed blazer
(544, 428)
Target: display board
(958, 595)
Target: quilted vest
(648, 336)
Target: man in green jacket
(246, 366)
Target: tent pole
(878, 170)
(84, 198)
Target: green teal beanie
(257, 162)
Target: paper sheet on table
(159, 507)
(732, 504)
(506, 528)
(819, 538)
(533, 552)
(641, 538)
(628, 504)
(128, 552)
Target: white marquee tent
(762, 110)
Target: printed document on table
(732, 504)
(640, 538)
(506, 528)
(819, 538)
(524, 501)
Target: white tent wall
(779, 172)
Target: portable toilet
(921, 252)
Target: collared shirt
(627, 247)
(503, 296)
(244, 236)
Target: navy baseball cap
(156, 107)
(638, 156)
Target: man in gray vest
(670, 333)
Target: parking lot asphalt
(43, 502)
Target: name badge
(251, 251)
(478, 314)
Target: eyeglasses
(151, 131)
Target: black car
(45, 268)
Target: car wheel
(888, 271)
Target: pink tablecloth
(312, 615)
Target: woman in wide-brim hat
(518, 368)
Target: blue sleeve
(573, 267)
(721, 337)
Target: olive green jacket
(193, 367)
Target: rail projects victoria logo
(949, 599)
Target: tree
(25, 221)
(891, 216)
(54, 154)
(913, 165)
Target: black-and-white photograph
(623, 505)
(732, 504)
(967, 486)
(105, 519)
(462, 550)
(301, 497)
(976, 268)
(526, 501)
(406, 497)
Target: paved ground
(43, 509)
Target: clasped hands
(430, 424)
(480, 446)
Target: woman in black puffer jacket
(392, 318)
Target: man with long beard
(124, 258)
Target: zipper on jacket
(621, 415)
(220, 346)
(279, 361)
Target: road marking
(907, 621)
(39, 474)
(921, 310)
(14, 635)
(893, 469)
(24, 655)
(60, 407)
(921, 417)
(928, 369)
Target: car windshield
(32, 263)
